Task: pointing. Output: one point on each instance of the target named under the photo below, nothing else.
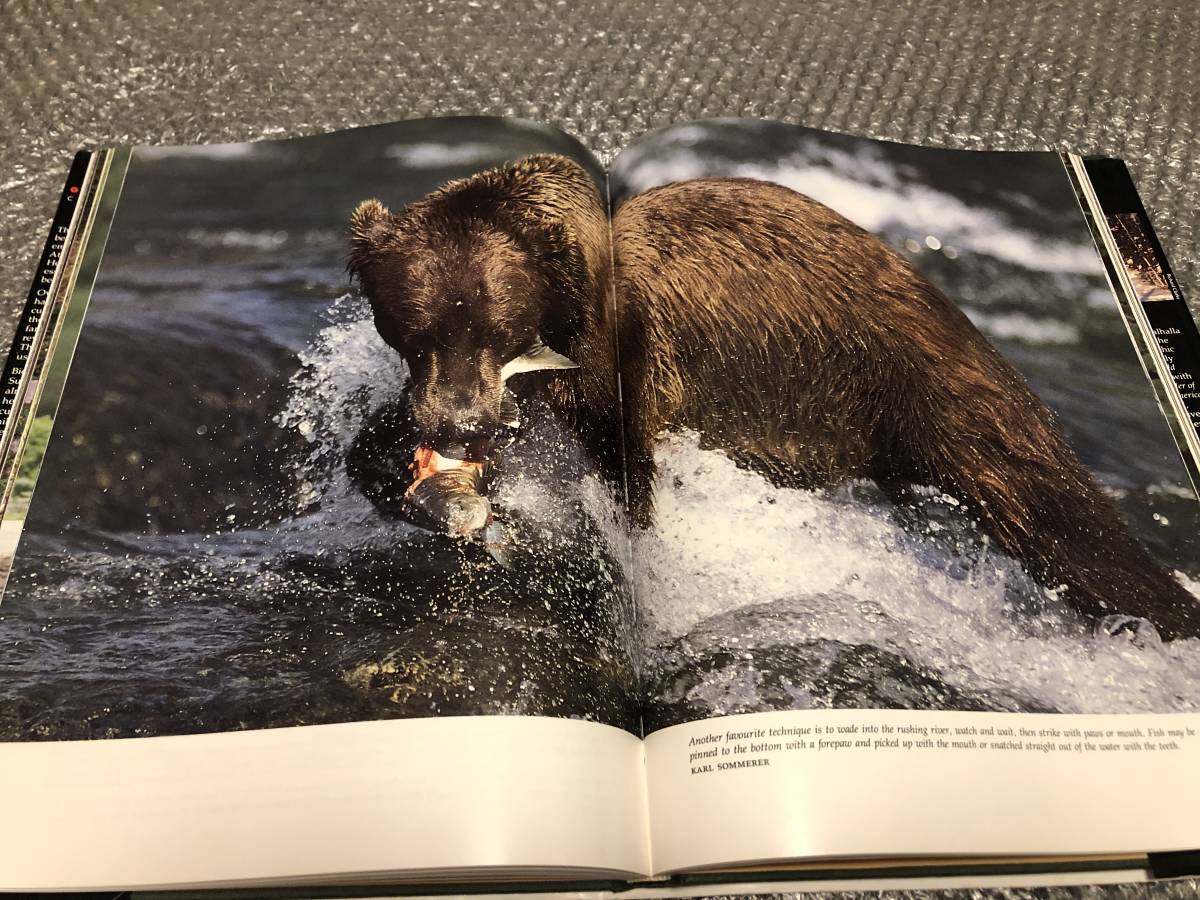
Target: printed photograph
(912, 461)
(212, 545)
(437, 419)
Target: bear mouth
(427, 463)
(473, 458)
(450, 471)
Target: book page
(890, 448)
(774, 787)
(225, 533)
(456, 798)
(305, 455)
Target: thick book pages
(426, 503)
(429, 800)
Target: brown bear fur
(774, 327)
(464, 279)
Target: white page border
(286, 803)
(921, 802)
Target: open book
(424, 503)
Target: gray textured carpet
(1098, 76)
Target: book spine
(30, 331)
(1181, 864)
(1151, 301)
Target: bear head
(477, 281)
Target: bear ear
(369, 227)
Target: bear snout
(470, 446)
(458, 424)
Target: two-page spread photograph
(441, 457)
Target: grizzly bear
(778, 330)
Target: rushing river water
(196, 558)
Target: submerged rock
(687, 683)
(155, 635)
(182, 448)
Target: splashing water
(336, 613)
(349, 371)
(345, 373)
(734, 562)
(738, 575)
(750, 597)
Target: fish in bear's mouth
(448, 492)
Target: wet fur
(473, 273)
(782, 333)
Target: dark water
(258, 629)
(197, 560)
(296, 602)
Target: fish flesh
(447, 493)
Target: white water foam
(838, 563)
(868, 190)
(843, 569)
(348, 371)
(345, 373)
(1015, 326)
